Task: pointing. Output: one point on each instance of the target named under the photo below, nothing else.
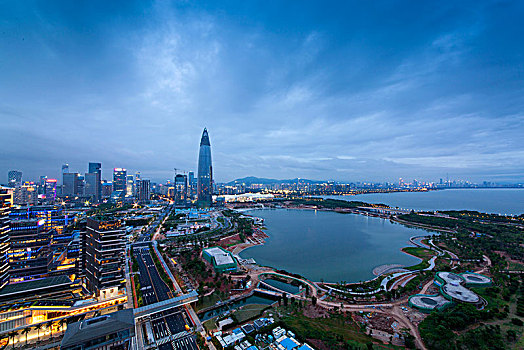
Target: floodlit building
(221, 259)
(119, 179)
(205, 172)
(103, 250)
(6, 200)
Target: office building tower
(180, 190)
(41, 185)
(65, 168)
(205, 172)
(14, 178)
(192, 185)
(103, 255)
(119, 179)
(96, 168)
(130, 183)
(72, 184)
(144, 190)
(28, 249)
(92, 186)
(107, 188)
(6, 200)
(50, 190)
(25, 194)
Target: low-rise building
(221, 259)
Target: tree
(13, 335)
(314, 300)
(38, 327)
(49, 325)
(26, 331)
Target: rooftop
(15, 288)
(83, 331)
(221, 257)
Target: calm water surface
(500, 201)
(330, 246)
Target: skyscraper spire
(205, 172)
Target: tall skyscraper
(180, 190)
(93, 186)
(50, 190)
(205, 172)
(96, 168)
(119, 179)
(144, 190)
(192, 185)
(14, 178)
(65, 168)
(72, 184)
(6, 200)
(103, 254)
(130, 183)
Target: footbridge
(165, 305)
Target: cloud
(345, 92)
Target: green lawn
(250, 311)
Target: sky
(332, 90)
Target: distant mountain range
(259, 180)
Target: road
(168, 323)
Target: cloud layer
(317, 90)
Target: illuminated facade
(180, 190)
(130, 184)
(103, 255)
(205, 172)
(50, 190)
(119, 179)
(26, 194)
(6, 200)
(39, 244)
(28, 249)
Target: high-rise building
(25, 194)
(144, 190)
(28, 249)
(41, 184)
(14, 178)
(107, 188)
(96, 168)
(103, 255)
(92, 186)
(50, 190)
(205, 172)
(192, 185)
(72, 184)
(6, 200)
(65, 168)
(130, 183)
(119, 179)
(180, 190)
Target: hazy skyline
(321, 90)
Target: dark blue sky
(372, 90)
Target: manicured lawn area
(419, 252)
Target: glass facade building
(205, 172)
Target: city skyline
(340, 92)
